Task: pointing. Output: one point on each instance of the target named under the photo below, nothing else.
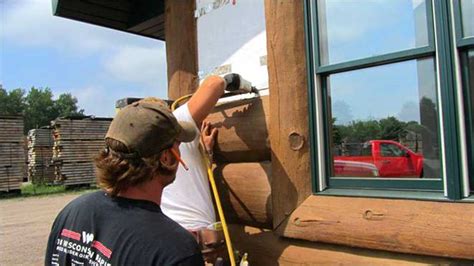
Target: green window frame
(463, 46)
(452, 185)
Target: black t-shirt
(96, 229)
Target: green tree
(66, 105)
(392, 129)
(39, 108)
(362, 131)
(414, 127)
(336, 132)
(13, 102)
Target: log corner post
(181, 47)
(289, 125)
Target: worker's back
(103, 230)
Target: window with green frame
(384, 94)
(464, 28)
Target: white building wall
(232, 38)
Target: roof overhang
(142, 17)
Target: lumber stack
(40, 153)
(76, 142)
(12, 153)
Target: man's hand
(208, 136)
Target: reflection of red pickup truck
(390, 158)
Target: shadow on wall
(243, 131)
(244, 171)
(242, 156)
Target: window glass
(366, 149)
(393, 104)
(354, 29)
(467, 13)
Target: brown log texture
(266, 248)
(181, 47)
(243, 130)
(420, 227)
(289, 132)
(245, 192)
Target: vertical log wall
(289, 125)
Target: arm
(205, 98)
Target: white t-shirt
(188, 199)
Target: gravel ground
(25, 224)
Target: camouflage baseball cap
(147, 127)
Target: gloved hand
(235, 82)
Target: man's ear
(167, 159)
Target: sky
(349, 32)
(100, 66)
(95, 64)
(357, 30)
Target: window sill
(468, 199)
(387, 194)
(385, 224)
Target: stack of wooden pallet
(40, 153)
(76, 142)
(12, 153)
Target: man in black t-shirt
(123, 223)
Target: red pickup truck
(383, 158)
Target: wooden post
(289, 125)
(181, 47)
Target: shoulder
(182, 113)
(73, 212)
(92, 197)
(84, 201)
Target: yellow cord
(210, 174)
(175, 104)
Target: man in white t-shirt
(188, 199)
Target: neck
(150, 191)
